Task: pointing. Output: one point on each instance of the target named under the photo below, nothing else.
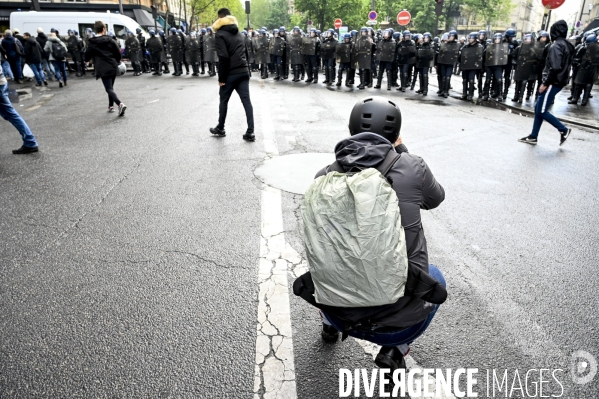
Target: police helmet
(354, 32)
(406, 33)
(331, 31)
(318, 32)
(527, 38)
(347, 36)
(510, 32)
(70, 31)
(543, 33)
(592, 38)
(436, 39)
(138, 30)
(473, 35)
(244, 32)
(427, 34)
(452, 33)
(282, 29)
(203, 30)
(76, 33)
(417, 37)
(172, 30)
(396, 35)
(275, 31)
(161, 32)
(376, 115)
(296, 28)
(497, 36)
(179, 31)
(152, 33)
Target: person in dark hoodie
(106, 55)
(12, 48)
(33, 56)
(233, 72)
(42, 39)
(555, 77)
(374, 126)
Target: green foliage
(323, 13)
(205, 10)
(260, 12)
(279, 14)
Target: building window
(76, 1)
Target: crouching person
(367, 256)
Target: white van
(29, 21)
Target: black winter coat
(230, 48)
(33, 51)
(559, 56)
(42, 39)
(416, 189)
(106, 55)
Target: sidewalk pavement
(586, 116)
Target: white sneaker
(122, 108)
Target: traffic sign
(577, 24)
(338, 23)
(371, 22)
(552, 4)
(403, 18)
(372, 15)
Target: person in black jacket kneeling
(107, 55)
(233, 72)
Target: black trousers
(108, 82)
(240, 82)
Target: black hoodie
(559, 57)
(416, 189)
(106, 54)
(230, 47)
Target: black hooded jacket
(230, 48)
(416, 189)
(106, 54)
(559, 56)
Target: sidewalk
(586, 116)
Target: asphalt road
(129, 246)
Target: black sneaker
(122, 108)
(25, 150)
(218, 132)
(329, 333)
(564, 136)
(249, 136)
(45, 83)
(528, 140)
(59, 84)
(390, 357)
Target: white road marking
(274, 373)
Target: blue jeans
(38, 72)
(545, 101)
(48, 69)
(7, 70)
(239, 82)
(445, 70)
(17, 67)
(60, 70)
(393, 338)
(10, 114)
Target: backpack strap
(385, 166)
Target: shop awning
(143, 17)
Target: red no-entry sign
(404, 18)
(338, 23)
(552, 4)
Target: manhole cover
(293, 173)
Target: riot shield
(295, 50)
(363, 53)
(526, 62)
(327, 49)
(309, 46)
(472, 58)
(588, 65)
(386, 51)
(496, 54)
(406, 55)
(448, 53)
(344, 52)
(262, 55)
(277, 46)
(424, 57)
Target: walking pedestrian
(555, 77)
(14, 51)
(57, 54)
(106, 55)
(233, 72)
(42, 39)
(33, 57)
(10, 114)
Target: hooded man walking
(555, 77)
(233, 72)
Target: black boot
(586, 95)
(277, 72)
(370, 78)
(329, 333)
(332, 74)
(389, 80)
(424, 84)
(446, 86)
(389, 357)
(530, 87)
(506, 87)
(442, 87)
(339, 77)
(361, 86)
(326, 75)
(309, 72)
(499, 94)
(203, 71)
(576, 89)
(413, 81)
(303, 72)
(186, 68)
(379, 79)
(464, 89)
(471, 90)
(439, 82)
(352, 76)
(315, 75)
(486, 89)
(404, 82)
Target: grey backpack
(355, 243)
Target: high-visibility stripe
(544, 107)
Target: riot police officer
(134, 52)
(163, 55)
(327, 52)
(424, 56)
(277, 49)
(154, 46)
(145, 64)
(344, 53)
(587, 57)
(471, 61)
(406, 57)
(210, 55)
(202, 53)
(173, 43)
(261, 47)
(496, 57)
(509, 38)
(446, 58)
(523, 69)
(74, 46)
(311, 52)
(192, 53)
(385, 54)
(363, 52)
(182, 51)
(294, 53)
